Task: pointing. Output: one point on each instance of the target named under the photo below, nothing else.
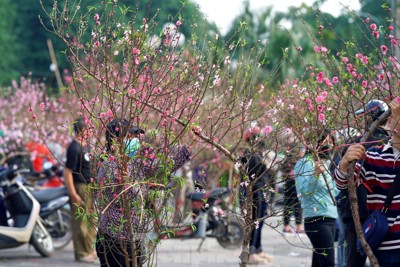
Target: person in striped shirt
(376, 169)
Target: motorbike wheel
(41, 240)
(233, 233)
(61, 234)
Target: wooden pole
(54, 62)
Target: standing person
(372, 110)
(77, 178)
(291, 203)
(257, 173)
(122, 222)
(313, 183)
(377, 170)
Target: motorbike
(54, 207)
(20, 221)
(210, 220)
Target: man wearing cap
(371, 112)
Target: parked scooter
(54, 208)
(211, 220)
(22, 224)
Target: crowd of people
(314, 178)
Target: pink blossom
(319, 99)
(398, 99)
(324, 49)
(321, 27)
(96, 17)
(178, 23)
(310, 107)
(189, 99)
(308, 101)
(335, 79)
(324, 94)
(135, 51)
(267, 129)
(364, 60)
(96, 44)
(299, 48)
(345, 59)
(34, 117)
(394, 41)
(30, 110)
(373, 26)
(359, 55)
(364, 83)
(171, 67)
(327, 82)
(376, 34)
(132, 91)
(316, 49)
(321, 117)
(320, 108)
(391, 28)
(320, 77)
(42, 106)
(384, 49)
(381, 76)
(367, 20)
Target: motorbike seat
(215, 194)
(46, 195)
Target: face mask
(132, 147)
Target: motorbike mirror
(47, 165)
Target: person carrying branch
(376, 169)
(371, 112)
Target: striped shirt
(377, 171)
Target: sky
(222, 12)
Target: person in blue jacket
(316, 189)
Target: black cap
(136, 130)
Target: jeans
(259, 211)
(341, 247)
(321, 232)
(291, 203)
(388, 258)
(354, 259)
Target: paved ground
(288, 252)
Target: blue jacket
(313, 192)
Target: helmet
(374, 108)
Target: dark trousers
(291, 203)
(117, 253)
(321, 232)
(259, 211)
(354, 259)
(388, 258)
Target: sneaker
(288, 231)
(255, 259)
(265, 256)
(301, 233)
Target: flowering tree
(30, 114)
(122, 69)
